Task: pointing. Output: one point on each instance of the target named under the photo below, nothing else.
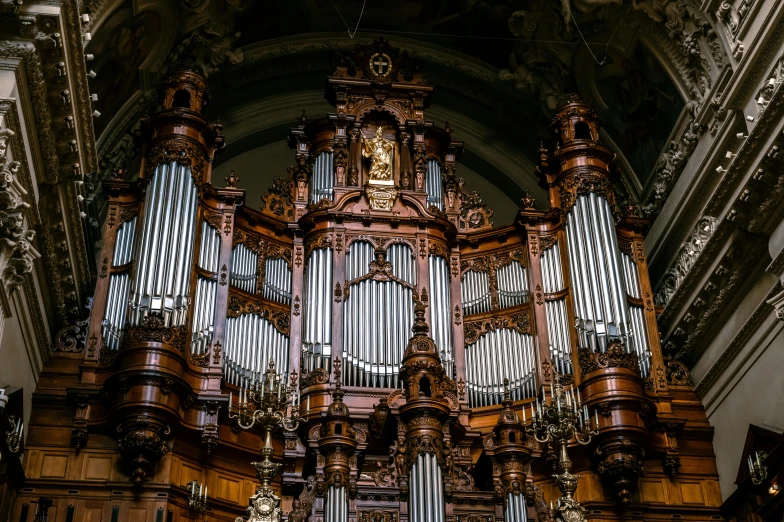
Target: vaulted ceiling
(499, 68)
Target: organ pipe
(251, 342)
(323, 180)
(427, 490)
(512, 285)
(632, 285)
(336, 504)
(515, 508)
(317, 327)
(244, 268)
(119, 286)
(377, 318)
(433, 184)
(277, 281)
(165, 249)
(206, 288)
(600, 303)
(555, 309)
(498, 355)
(475, 289)
(440, 310)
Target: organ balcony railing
(370, 217)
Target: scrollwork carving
(519, 322)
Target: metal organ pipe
(433, 184)
(512, 285)
(206, 289)
(244, 268)
(119, 286)
(336, 505)
(162, 279)
(557, 316)
(601, 307)
(498, 355)
(251, 341)
(640, 341)
(277, 281)
(323, 178)
(427, 490)
(441, 310)
(377, 317)
(475, 288)
(317, 327)
(515, 508)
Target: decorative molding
(686, 259)
(518, 321)
(279, 318)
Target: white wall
(750, 388)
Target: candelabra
(757, 471)
(265, 405)
(557, 423)
(13, 438)
(197, 496)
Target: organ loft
(367, 345)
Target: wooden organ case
(417, 334)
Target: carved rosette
(612, 385)
(142, 443)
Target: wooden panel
(653, 490)
(692, 493)
(188, 473)
(228, 488)
(92, 514)
(97, 468)
(54, 466)
(712, 492)
(137, 515)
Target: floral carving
(473, 330)
(239, 306)
(615, 356)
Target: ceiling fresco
(500, 65)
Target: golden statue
(379, 150)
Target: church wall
(739, 378)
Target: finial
(303, 119)
(232, 179)
(527, 201)
(420, 325)
(448, 129)
(336, 373)
(506, 390)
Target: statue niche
(380, 151)
(380, 188)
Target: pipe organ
(406, 321)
